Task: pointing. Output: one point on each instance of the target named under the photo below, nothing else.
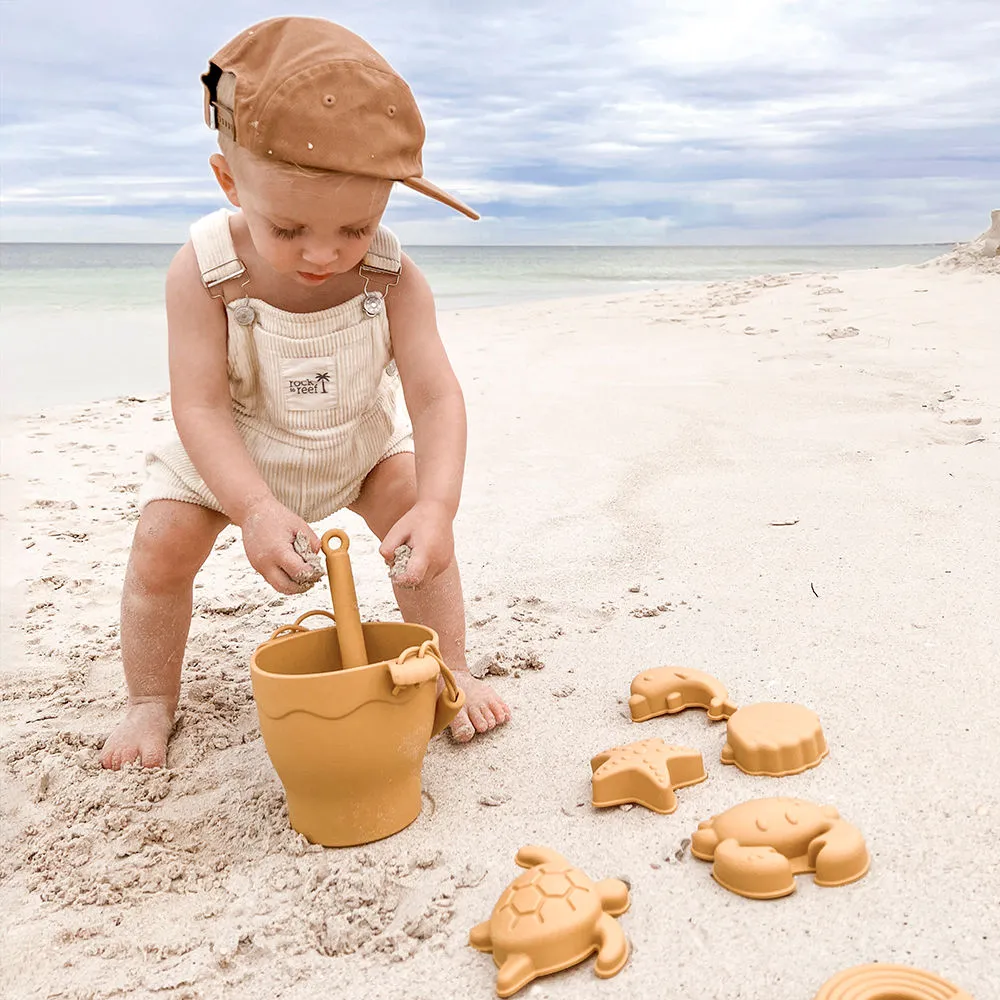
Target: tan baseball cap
(307, 91)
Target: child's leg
(387, 494)
(172, 540)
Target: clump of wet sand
(315, 569)
(401, 559)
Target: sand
(790, 482)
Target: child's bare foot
(483, 710)
(141, 736)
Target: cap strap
(220, 100)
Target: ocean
(80, 322)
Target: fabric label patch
(309, 383)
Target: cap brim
(424, 186)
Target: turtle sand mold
(551, 918)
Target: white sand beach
(790, 482)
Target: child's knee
(388, 493)
(399, 490)
(171, 541)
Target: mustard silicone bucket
(348, 743)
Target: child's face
(306, 226)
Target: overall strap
(213, 246)
(383, 254)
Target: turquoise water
(121, 275)
(85, 321)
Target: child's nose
(320, 255)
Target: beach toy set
(758, 847)
(346, 712)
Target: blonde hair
(236, 155)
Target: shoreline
(125, 318)
(802, 470)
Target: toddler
(290, 323)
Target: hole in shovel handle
(345, 542)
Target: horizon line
(549, 246)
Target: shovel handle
(345, 600)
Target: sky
(690, 122)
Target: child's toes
(153, 753)
(476, 716)
(500, 710)
(461, 727)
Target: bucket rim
(256, 668)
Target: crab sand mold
(758, 847)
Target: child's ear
(224, 175)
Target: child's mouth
(314, 278)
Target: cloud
(750, 122)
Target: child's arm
(203, 414)
(437, 410)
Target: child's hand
(269, 532)
(426, 528)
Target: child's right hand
(269, 530)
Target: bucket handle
(449, 701)
(298, 626)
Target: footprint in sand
(841, 332)
(955, 435)
(526, 619)
(52, 505)
(46, 584)
(956, 423)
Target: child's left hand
(426, 527)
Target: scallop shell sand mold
(550, 918)
(889, 982)
(668, 690)
(775, 739)
(757, 848)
